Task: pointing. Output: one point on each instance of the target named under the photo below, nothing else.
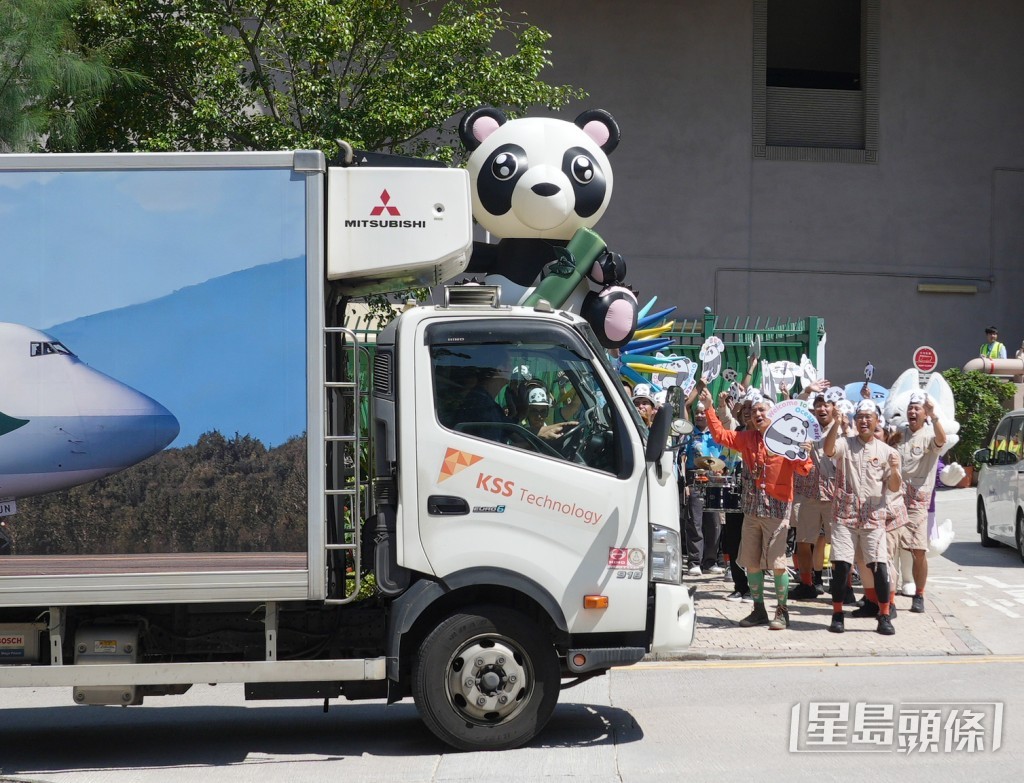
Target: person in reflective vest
(992, 348)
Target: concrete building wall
(703, 223)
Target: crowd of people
(862, 490)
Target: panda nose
(545, 189)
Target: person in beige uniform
(813, 504)
(867, 479)
(919, 445)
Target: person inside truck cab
(538, 408)
(479, 404)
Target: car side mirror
(982, 456)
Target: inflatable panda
(535, 181)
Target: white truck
(158, 303)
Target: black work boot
(837, 625)
(757, 617)
(885, 625)
(870, 609)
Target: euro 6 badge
(626, 563)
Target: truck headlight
(666, 556)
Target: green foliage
(218, 495)
(980, 402)
(384, 75)
(49, 83)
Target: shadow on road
(972, 553)
(66, 739)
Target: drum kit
(721, 491)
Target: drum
(718, 488)
(697, 481)
(733, 495)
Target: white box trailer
(207, 478)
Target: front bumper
(675, 618)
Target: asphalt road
(664, 721)
(653, 722)
(983, 588)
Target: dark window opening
(814, 44)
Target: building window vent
(816, 80)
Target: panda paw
(612, 312)
(609, 269)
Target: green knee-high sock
(782, 587)
(756, 581)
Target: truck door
(527, 471)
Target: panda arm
(484, 258)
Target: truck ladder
(346, 417)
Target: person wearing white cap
(813, 509)
(767, 503)
(643, 399)
(538, 406)
(919, 446)
(867, 480)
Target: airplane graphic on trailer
(62, 423)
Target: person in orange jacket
(767, 503)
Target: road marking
(973, 659)
(968, 602)
(1000, 608)
(995, 582)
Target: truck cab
(570, 528)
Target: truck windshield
(533, 387)
(588, 332)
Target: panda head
(539, 177)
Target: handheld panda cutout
(535, 181)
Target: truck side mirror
(676, 402)
(658, 435)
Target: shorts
(763, 543)
(813, 518)
(868, 541)
(914, 534)
(892, 541)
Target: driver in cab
(538, 408)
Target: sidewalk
(938, 632)
(719, 636)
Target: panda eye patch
(504, 166)
(582, 169)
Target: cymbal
(709, 463)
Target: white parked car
(1001, 485)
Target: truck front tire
(486, 679)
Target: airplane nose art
(123, 425)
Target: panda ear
(601, 127)
(480, 123)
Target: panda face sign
(538, 177)
(786, 437)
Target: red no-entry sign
(925, 359)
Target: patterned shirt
(862, 495)
(820, 483)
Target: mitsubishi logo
(385, 197)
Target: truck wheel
(486, 679)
